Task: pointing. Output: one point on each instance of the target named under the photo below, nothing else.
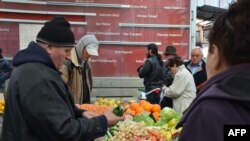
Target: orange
(142, 102)
(138, 110)
(156, 115)
(147, 107)
(130, 112)
(134, 106)
(156, 108)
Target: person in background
(39, 106)
(153, 73)
(76, 72)
(197, 67)
(5, 71)
(224, 99)
(182, 91)
(170, 52)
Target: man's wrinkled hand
(112, 118)
(89, 114)
(78, 106)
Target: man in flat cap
(169, 52)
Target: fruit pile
(127, 131)
(108, 102)
(136, 108)
(143, 125)
(2, 104)
(168, 130)
(139, 131)
(147, 121)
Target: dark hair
(231, 34)
(174, 60)
(154, 50)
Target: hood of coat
(234, 83)
(231, 85)
(33, 53)
(75, 58)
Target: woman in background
(182, 90)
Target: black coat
(153, 73)
(39, 106)
(201, 75)
(5, 71)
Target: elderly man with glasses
(197, 67)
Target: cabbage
(160, 123)
(145, 118)
(167, 114)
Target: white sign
(27, 33)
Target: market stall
(143, 121)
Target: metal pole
(192, 32)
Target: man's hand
(112, 118)
(78, 106)
(89, 114)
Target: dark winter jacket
(5, 71)
(39, 106)
(200, 76)
(78, 77)
(153, 73)
(223, 100)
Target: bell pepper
(119, 110)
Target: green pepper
(118, 110)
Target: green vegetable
(109, 134)
(151, 115)
(168, 113)
(160, 123)
(145, 118)
(118, 110)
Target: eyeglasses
(195, 55)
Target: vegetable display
(148, 122)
